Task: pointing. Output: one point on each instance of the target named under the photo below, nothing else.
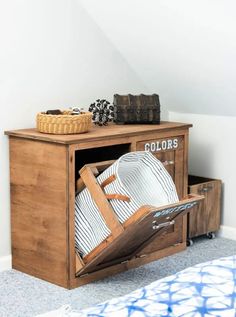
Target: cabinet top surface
(99, 133)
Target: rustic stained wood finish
(39, 203)
(138, 234)
(206, 216)
(126, 242)
(44, 172)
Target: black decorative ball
(103, 112)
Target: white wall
(184, 49)
(52, 55)
(212, 152)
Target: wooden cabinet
(44, 170)
(206, 218)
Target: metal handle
(170, 162)
(205, 189)
(162, 225)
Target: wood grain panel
(109, 132)
(39, 209)
(206, 217)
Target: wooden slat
(108, 181)
(71, 215)
(184, 176)
(97, 133)
(101, 166)
(117, 196)
(79, 264)
(96, 168)
(79, 185)
(103, 205)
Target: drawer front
(171, 236)
(207, 217)
(170, 151)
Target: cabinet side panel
(213, 206)
(39, 209)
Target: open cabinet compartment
(128, 240)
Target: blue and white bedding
(207, 289)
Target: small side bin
(206, 218)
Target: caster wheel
(211, 235)
(189, 242)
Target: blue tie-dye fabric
(207, 289)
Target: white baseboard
(5, 263)
(227, 232)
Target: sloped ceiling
(184, 50)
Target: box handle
(162, 225)
(205, 189)
(170, 162)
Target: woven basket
(64, 123)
